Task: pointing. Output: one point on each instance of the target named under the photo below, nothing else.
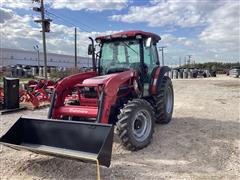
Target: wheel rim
(142, 125)
(169, 103)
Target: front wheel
(164, 102)
(135, 124)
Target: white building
(22, 57)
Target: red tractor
(127, 88)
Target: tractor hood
(99, 79)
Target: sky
(209, 30)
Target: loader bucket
(87, 142)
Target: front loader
(127, 89)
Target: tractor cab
(131, 50)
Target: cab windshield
(119, 56)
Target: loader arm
(63, 87)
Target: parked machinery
(127, 89)
(37, 93)
(234, 72)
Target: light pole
(189, 59)
(161, 49)
(75, 47)
(36, 48)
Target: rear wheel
(135, 124)
(164, 102)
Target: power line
(65, 20)
(86, 25)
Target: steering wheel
(137, 66)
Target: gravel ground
(201, 142)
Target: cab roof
(129, 34)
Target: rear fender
(157, 77)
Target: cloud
(216, 24)
(18, 33)
(92, 5)
(167, 13)
(223, 30)
(5, 15)
(169, 40)
(16, 30)
(16, 4)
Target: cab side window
(154, 54)
(151, 55)
(147, 55)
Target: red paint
(38, 92)
(78, 111)
(89, 106)
(98, 79)
(154, 81)
(63, 88)
(111, 89)
(1, 95)
(130, 34)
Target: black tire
(163, 110)
(129, 127)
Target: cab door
(151, 61)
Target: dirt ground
(201, 142)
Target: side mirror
(90, 49)
(148, 42)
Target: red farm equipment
(37, 93)
(128, 90)
(1, 97)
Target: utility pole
(75, 48)
(189, 59)
(45, 28)
(161, 49)
(180, 63)
(44, 39)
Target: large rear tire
(164, 102)
(135, 124)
